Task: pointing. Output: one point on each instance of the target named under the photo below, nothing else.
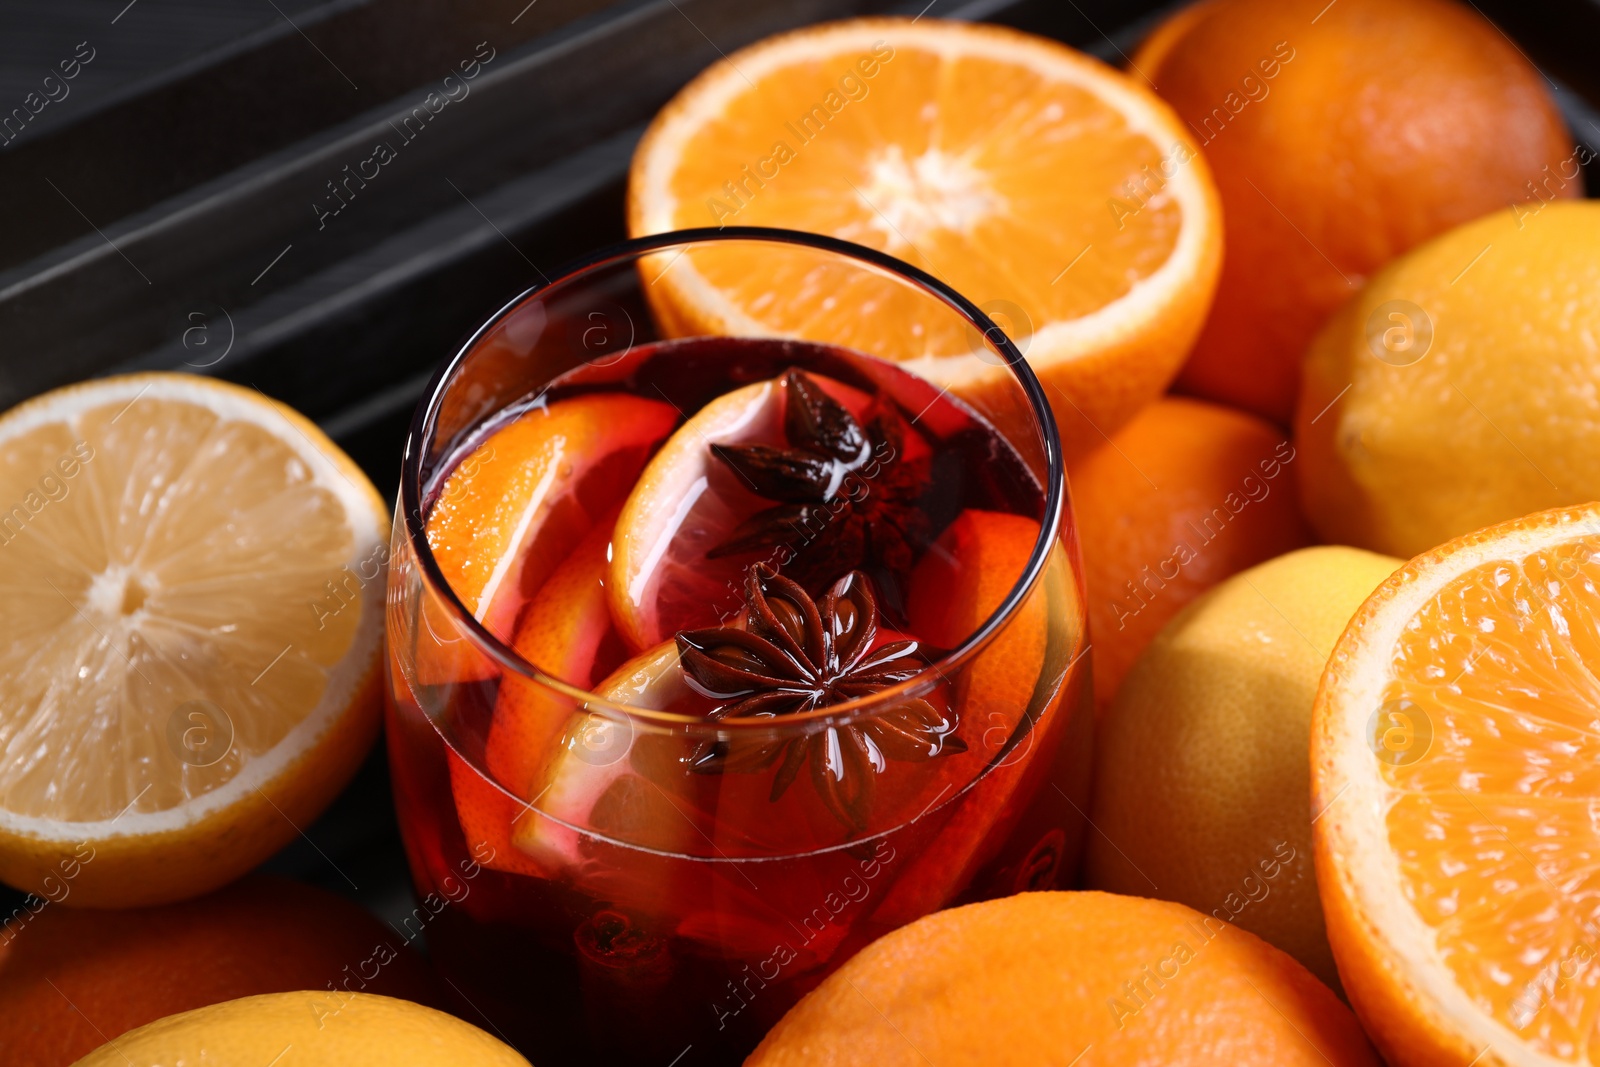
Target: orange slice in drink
(567, 633)
(591, 782)
(686, 503)
(956, 587)
(191, 604)
(1059, 194)
(487, 814)
(618, 816)
(519, 504)
(580, 776)
(1455, 771)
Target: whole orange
(1185, 495)
(1068, 978)
(72, 979)
(1340, 136)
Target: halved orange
(1455, 777)
(519, 504)
(191, 625)
(1049, 188)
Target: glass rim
(500, 652)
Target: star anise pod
(846, 495)
(794, 654)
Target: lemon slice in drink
(591, 781)
(191, 614)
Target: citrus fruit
(555, 761)
(657, 788)
(958, 585)
(192, 608)
(1183, 496)
(1485, 410)
(1001, 697)
(566, 632)
(518, 505)
(71, 977)
(487, 814)
(1218, 711)
(307, 1029)
(1053, 977)
(988, 157)
(591, 781)
(664, 575)
(1324, 125)
(1453, 755)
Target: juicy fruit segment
(191, 602)
(960, 139)
(518, 505)
(212, 556)
(324, 1028)
(977, 562)
(1512, 759)
(488, 816)
(1454, 749)
(655, 542)
(958, 585)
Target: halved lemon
(1455, 777)
(191, 620)
(1059, 194)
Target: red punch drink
(712, 660)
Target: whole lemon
(1203, 775)
(1462, 387)
(324, 1028)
